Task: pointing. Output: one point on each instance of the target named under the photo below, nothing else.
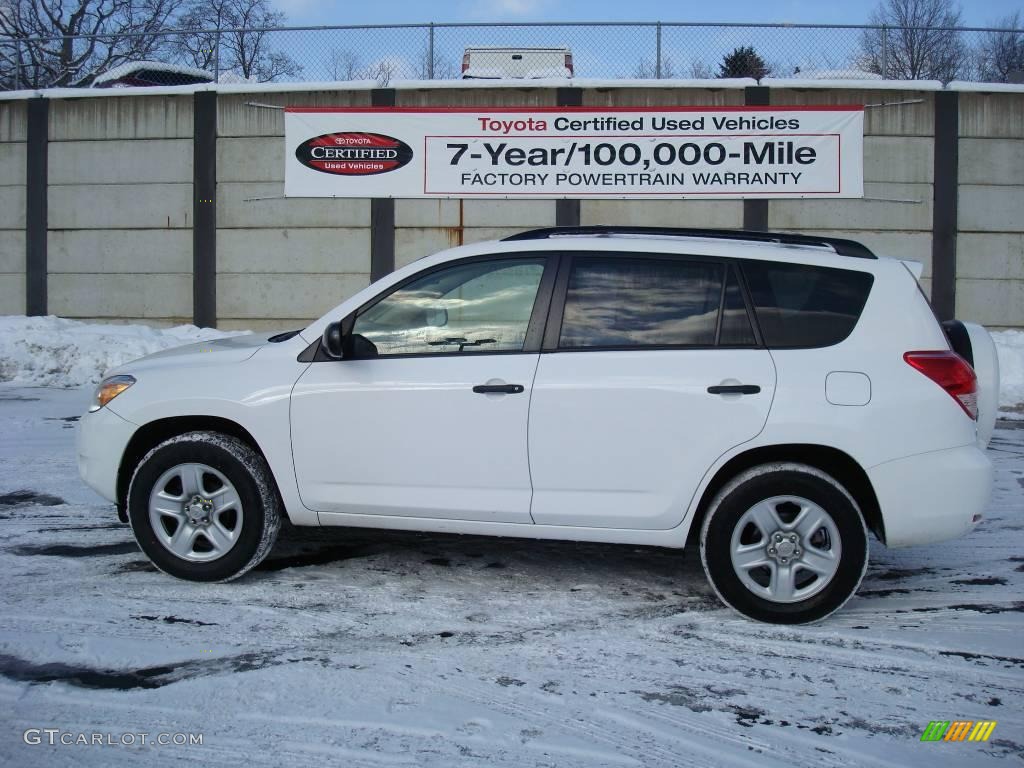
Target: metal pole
(216, 56)
(657, 52)
(885, 52)
(17, 65)
(430, 51)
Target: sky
(329, 12)
(597, 51)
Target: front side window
(641, 302)
(482, 306)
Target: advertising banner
(566, 152)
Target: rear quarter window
(802, 306)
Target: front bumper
(102, 438)
(932, 496)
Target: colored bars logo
(958, 730)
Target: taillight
(952, 373)
(568, 63)
(465, 61)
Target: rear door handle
(734, 389)
(498, 389)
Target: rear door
(652, 370)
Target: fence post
(216, 56)
(885, 52)
(430, 51)
(657, 51)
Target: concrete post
(204, 210)
(567, 212)
(382, 211)
(945, 208)
(36, 205)
(755, 212)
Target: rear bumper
(932, 496)
(102, 438)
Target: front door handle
(499, 389)
(734, 389)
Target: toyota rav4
(768, 397)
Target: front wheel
(203, 507)
(784, 543)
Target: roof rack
(839, 245)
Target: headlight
(109, 389)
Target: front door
(430, 418)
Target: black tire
(765, 482)
(246, 470)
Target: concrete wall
(280, 262)
(990, 245)
(653, 213)
(12, 207)
(120, 209)
(121, 202)
(894, 217)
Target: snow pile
(130, 68)
(52, 351)
(838, 74)
(1010, 345)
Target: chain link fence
(384, 54)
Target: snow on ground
(361, 648)
(1010, 346)
(52, 351)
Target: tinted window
(639, 302)
(803, 306)
(736, 328)
(477, 307)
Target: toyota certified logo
(353, 153)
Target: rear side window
(640, 302)
(736, 328)
(803, 306)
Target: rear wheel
(203, 507)
(784, 543)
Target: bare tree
(648, 70)
(43, 46)
(914, 41)
(700, 70)
(382, 71)
(344, 65)
(438, 69)
(245, 48)
(1002, 52)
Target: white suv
(772, 397)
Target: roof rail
(839, 245)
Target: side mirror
(361, 348)
(332, 341)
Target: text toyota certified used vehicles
(770, 397)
